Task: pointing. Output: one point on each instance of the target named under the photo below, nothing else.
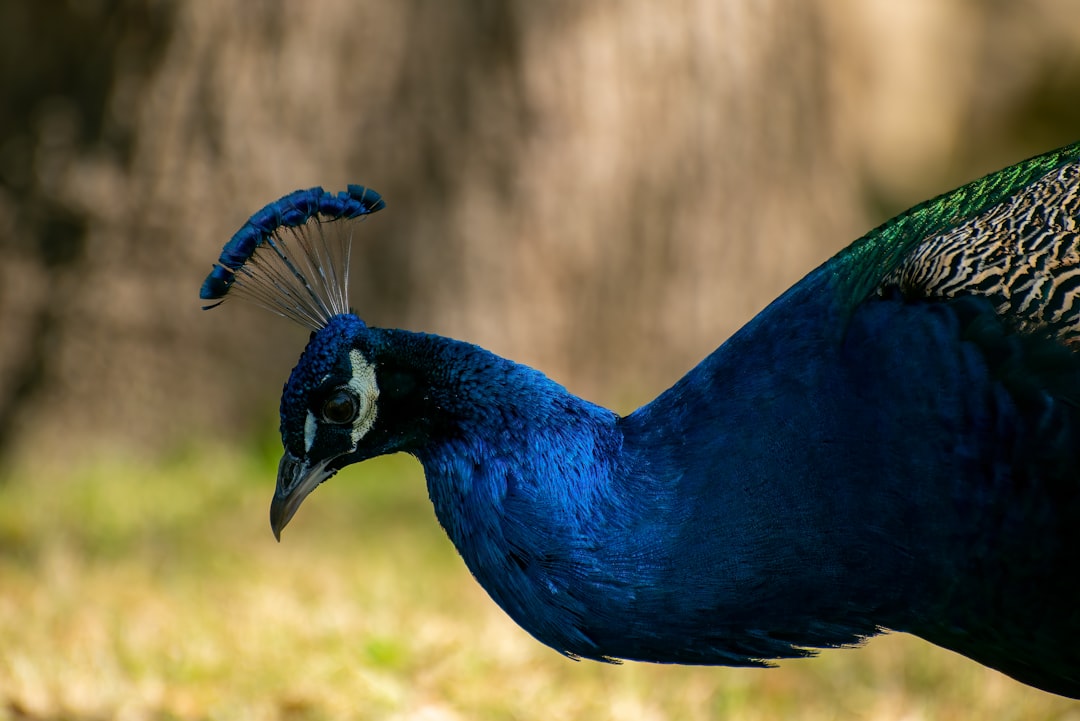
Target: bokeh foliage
(155, 591)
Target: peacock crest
(292, 257)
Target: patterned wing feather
(1012, 236)
(1023, 253)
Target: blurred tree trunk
(603, 190)
(64, 70)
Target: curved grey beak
(295, 480)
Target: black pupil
(339, 408)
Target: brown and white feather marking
(1023, 254)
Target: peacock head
(292, 257)
(329, 406)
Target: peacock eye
(340, 408)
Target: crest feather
(292, 257)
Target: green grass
(138, 591)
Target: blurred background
(602, 190)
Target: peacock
(891, 445)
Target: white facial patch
(311, 427)
(363, 384)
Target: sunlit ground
(134, 591)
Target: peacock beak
(295, 480)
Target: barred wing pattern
(1023, 253)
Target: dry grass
(130, 591)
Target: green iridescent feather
(861, 267)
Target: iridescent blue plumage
(893, 444)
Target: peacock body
(893, 444)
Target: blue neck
(523, 531)
(716, 524)
(562, 510)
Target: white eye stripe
(364, 385)
(311, 427)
